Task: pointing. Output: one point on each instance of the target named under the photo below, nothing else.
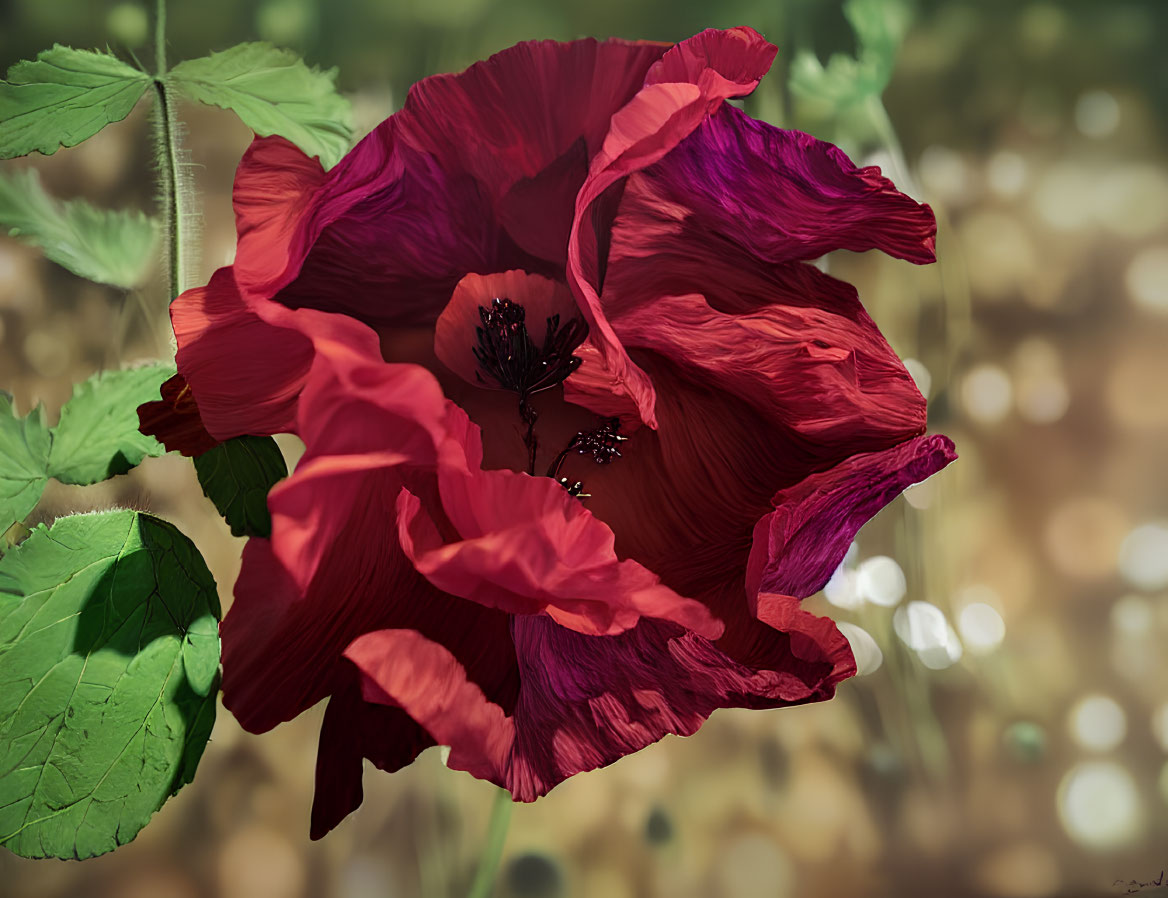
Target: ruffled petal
(283, 640)
(821, 369)
(174, 420)
(244, 372)
(594, 386)
(527, 546)
(402, 668)
(779, 195)
(798, 545)
(585, 701)
(408, 232)
(711, 67)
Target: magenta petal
(799, 544)
(586, 701)
(780, 195)
(709, 68)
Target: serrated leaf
(24, 453)
(63, 97)
(99, 720)
(273, 92)
(97, 436)
(880, 27)
(236, 476)
(109, 247)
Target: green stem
(484, 880)
(887, 134)
(172, 195)
(160, 38)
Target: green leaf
(236, 476)
(63, 97)
(105, 246)
(24, 453)
(97, 436)
(880, 27)
(274, 92)
(106, 707)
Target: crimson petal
(799, 544)
(585, 701)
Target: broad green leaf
(108, 666)
(105, 246)
(97, 436)
(63, 97)
(236, 476)
(274, 92)
(24, 453)
(880, 27)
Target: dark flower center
(507, 354)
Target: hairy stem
(170, 194)
(493, 849)
(174, 188)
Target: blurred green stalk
(493, 849)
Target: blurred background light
(923, 628)
(920, 375)
(1147, 279)
(864, 648)
(880, 580)
(842, 590)
(1097, 723)
(1099, 805)
(1096, 113)
(986, 394)
(982, 628)
(1006, 173)
(1143, 556)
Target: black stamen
(602, 443)
(507, 354)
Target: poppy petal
(174, 420)
(586, 701)
(779, 195)
(798, 545)
(245, 373)
(354, 729)
(713, 66)
(501, 121)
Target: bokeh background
(1008, 734)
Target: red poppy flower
(582, 423)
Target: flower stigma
(507, 354)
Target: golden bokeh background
(1008, 734)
